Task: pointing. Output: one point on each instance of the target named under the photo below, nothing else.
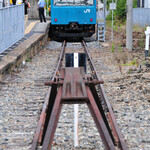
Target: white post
(112, 7)
(147, 33)
(76, 109)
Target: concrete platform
(36, 35)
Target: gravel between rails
(89, 137)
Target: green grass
(120, 48)
(113, 47)
(28, 60)
(134, 62)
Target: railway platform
(36, 35)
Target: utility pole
(129, 25)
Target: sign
(112, 6)
(87, 11)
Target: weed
(134, 62)
(137, 63)
(113, 47)
(141, 43)
(143, 63)
(118, 60)
(28, 60)
(136, 28)
(108, 23)
(120, 48)
(116, 28)
(120, 69)
(124, 58)
(130, 71)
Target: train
(73, 18)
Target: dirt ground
(127, 83)
(122, 56)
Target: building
(143, 3)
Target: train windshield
(73, 2)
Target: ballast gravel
(21, 100)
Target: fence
(141, 16)
(11, 25)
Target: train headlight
(55, 20)
(91, 19)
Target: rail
(115, 129)
(11, 25)
(39, 131)
(72, 87)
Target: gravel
(21, 102)
(129, 94)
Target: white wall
(147, 4)
(33, 10)
(1, 3)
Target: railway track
(21, 101)
(102, 112)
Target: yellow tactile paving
(30, 26)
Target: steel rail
(43, 113)
(115, 128)
(117, 136)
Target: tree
(120, 12)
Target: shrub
(120, 12)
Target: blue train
(73, 18)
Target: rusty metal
(73, 85)
(53, 122)
(39, 130)
(99, 122)
(49, 110)
(101, 109)
(61, 82)
(73, 88)
(115, 128)
(73, 79)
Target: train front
(73, 18)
